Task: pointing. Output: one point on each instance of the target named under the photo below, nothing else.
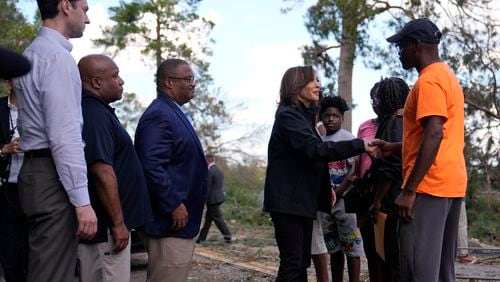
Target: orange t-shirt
(437, 93)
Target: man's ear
(95, 82)
(65, 6)
(167, 83)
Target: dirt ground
(253, 256)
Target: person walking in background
(463, 238)
(176, 174)
(216, 196)
(342, 236)
(13, 224)
(117, 186)
(435, 176)
(297, 182)
(387, 172)
(53, 179)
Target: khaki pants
(99, 263)
(169, 258)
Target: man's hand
(372, 149)
(120, 234)
(179, 217)
(87, 222)
(12, 147)
(387, 148)
(405, 202)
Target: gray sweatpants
(428, 244)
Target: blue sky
(254, 44)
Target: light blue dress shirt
(50, 113)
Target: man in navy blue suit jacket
(176, 173)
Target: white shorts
(318, 246)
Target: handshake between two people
(377, 148)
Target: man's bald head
(100, 75)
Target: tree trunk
(158, 39)
(346, 64)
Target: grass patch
(483, 216)
(243, 186)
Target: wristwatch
(1, 153)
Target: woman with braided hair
(387, 171)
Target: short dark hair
(165, 67)
(210, 157)
(48, 8)
(392, 93)
(333, 102)
(293, 81)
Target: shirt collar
(54, 35)
(86, 94)
(9, 104)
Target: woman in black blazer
(297, 182)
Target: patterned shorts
(341, 232)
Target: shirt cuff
(79, 197)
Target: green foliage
(243, 186)
(16, 33)
(483, 216)
(172, 29)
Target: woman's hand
(372, 148)
(12, 147)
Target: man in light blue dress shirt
(53, 178)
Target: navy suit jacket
(215, 185)
(174, 166)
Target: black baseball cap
(12, 64)
(420, 29)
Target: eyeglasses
(188, 79)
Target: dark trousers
(13, 235)
(293, 235)
(380, 270)
(52, 222)
(214, 214)
(428, 243)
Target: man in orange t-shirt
(433, 162)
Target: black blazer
(297, 180)
(215, 185)
(4, 136)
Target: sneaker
(467, 259)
